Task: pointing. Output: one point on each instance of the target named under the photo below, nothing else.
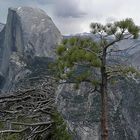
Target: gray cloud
(66, 9)
(69, 12)
(44, 2)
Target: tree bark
(104, 102)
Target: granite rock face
(81, 109)
(1, 26)
(28, 33)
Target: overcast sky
(74, 16)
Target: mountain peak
(34, 25)
(29, 33)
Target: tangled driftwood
(29, 110)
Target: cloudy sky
(74, 16)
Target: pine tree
(75, 54)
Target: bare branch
(13, 131)
(34, 124)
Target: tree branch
(13, 131)
(34, 124)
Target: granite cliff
(1, 26)
(28, 33)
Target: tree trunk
(104, 102)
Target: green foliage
(72, 41)
(119, 29)
(64, 41)
(59, 130)
(60, 49)
(75, 52)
